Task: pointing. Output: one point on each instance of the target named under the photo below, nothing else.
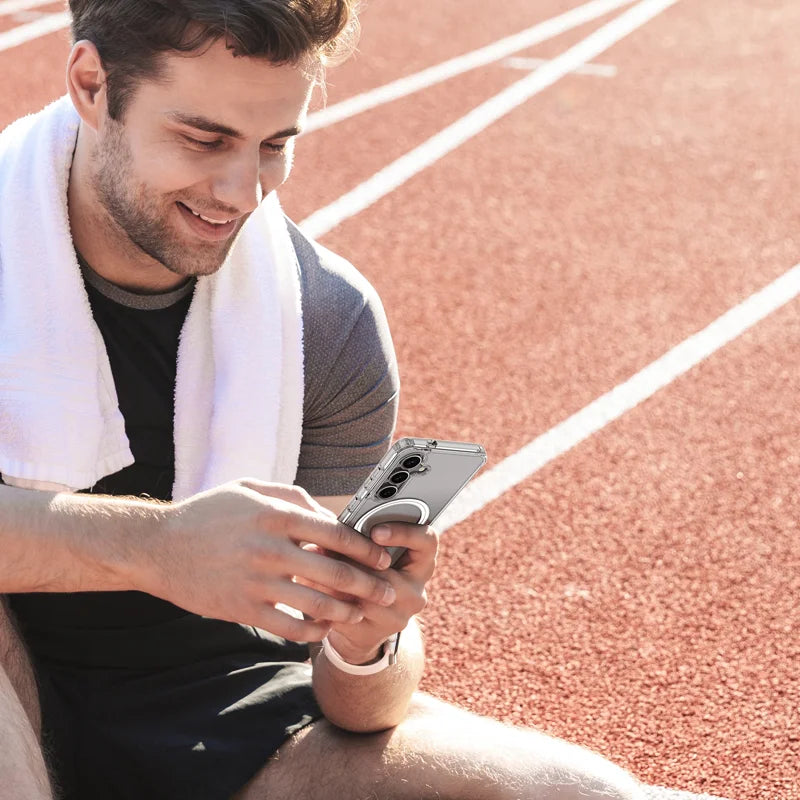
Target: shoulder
(341, 310)
(331, 285)
(351, 375)
(346, 340)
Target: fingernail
(381, 533)
(385, 561)
(356, 616)
(389, 595)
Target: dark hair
(131, 35)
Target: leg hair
(15, 661)
(439, 752)
(23, 774)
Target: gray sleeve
(351, 379)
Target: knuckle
(341, 537)
(293, 628)
(300, 492)
(321, 606)
(422, 602)
(270, 556)
(342, 575)
(272, 520)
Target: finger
(411, 600)
(421, 543)
(340, 576)
(289, 627)
(317, 604)
(305, 527)
(290, 494)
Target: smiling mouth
(208, 219)
(207, 228)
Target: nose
(237, 183)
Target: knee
(583, 774)
(520, 762)
(621, 787)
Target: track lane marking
(12, 6)
(530, 64)
(402, 87)
(49, 23)
(471, 124)
(541, 32)
(622, 398)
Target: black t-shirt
(348, 418)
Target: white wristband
(388, 658)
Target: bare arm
(366, 703)
(363, 703)
(230, 553)
(62, 542)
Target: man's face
(212, 139)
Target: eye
(275, 147)
(202, 144)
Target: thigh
(16, 663)
(438, 751)
(22, 770)
(40, 723)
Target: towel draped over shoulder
(239, 386)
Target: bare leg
(439, 752)
(23, 775)
(17, 665)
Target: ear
(86, 83)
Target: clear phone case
(414, 482)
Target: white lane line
(613, 404)
(530, 64)
(477, 120)
(12, 6)
(402, 87)
(33, 30)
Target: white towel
(239, 387)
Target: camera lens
(386, 491)
(399, 477)
(411, 462)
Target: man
(149, 649)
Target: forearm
(366, 703)
(62, 542)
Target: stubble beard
(142, 217)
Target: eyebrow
(210, 126)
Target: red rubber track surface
(640, 593)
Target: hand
(233, 553)
(359, 642)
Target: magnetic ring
(408, 509)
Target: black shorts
(198, 727)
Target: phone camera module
(412, 462)
(386, 491)
(401, 476)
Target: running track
(629, 577)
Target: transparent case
(414, 482)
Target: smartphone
(414, 482)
